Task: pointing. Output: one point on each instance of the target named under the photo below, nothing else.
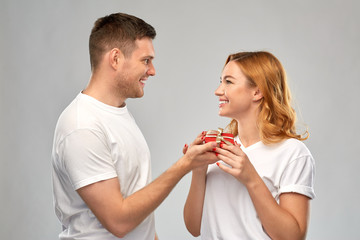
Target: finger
(203, 133)
(209, 147)
(225, 152)
(227, 159)
(202, 149)
(224, 168)
(235, 149)
(210, 158)
(199, 139)
(185, 148)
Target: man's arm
(118, 215)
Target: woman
(262, 186)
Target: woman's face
(236, 96)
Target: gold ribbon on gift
(219, 137)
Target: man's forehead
(144, 46)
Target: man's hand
(199, 154)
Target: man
(101, 162)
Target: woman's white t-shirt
(228, 211)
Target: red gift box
(219, 136)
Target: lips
(142, 81)
(222, 103)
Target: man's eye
(146, 61)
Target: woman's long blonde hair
(277, 118)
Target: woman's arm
(195, 201)
(286, 220)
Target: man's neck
(103, 92)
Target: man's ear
(257, 94)
(115, 58)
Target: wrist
(200, 170)
(183, 165)
(254, 183)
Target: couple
(259, 188)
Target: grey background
(44, 64)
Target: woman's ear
(257, 94)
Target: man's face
(136, 69)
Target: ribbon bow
(219, 136)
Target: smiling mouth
(142, 81)
(221, 103)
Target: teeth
(142, 81)
(223, 102)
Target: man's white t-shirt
(94, 142)
(228, 211)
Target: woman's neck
(248, 131)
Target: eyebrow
(148, 56)
(227, 76)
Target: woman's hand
(198, 140)
(239, 165)
(200, 154)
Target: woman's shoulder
(294, 146)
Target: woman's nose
(219, 91)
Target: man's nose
(151, 70)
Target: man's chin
(139, 95)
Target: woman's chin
(222, 113)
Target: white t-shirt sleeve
(298, 177)
(87, 158)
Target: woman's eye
(226, 81)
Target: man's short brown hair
(118, 30)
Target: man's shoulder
(77, 115)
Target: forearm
(277, 221)
(194, 204)
(143, 202)
(120, 215)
